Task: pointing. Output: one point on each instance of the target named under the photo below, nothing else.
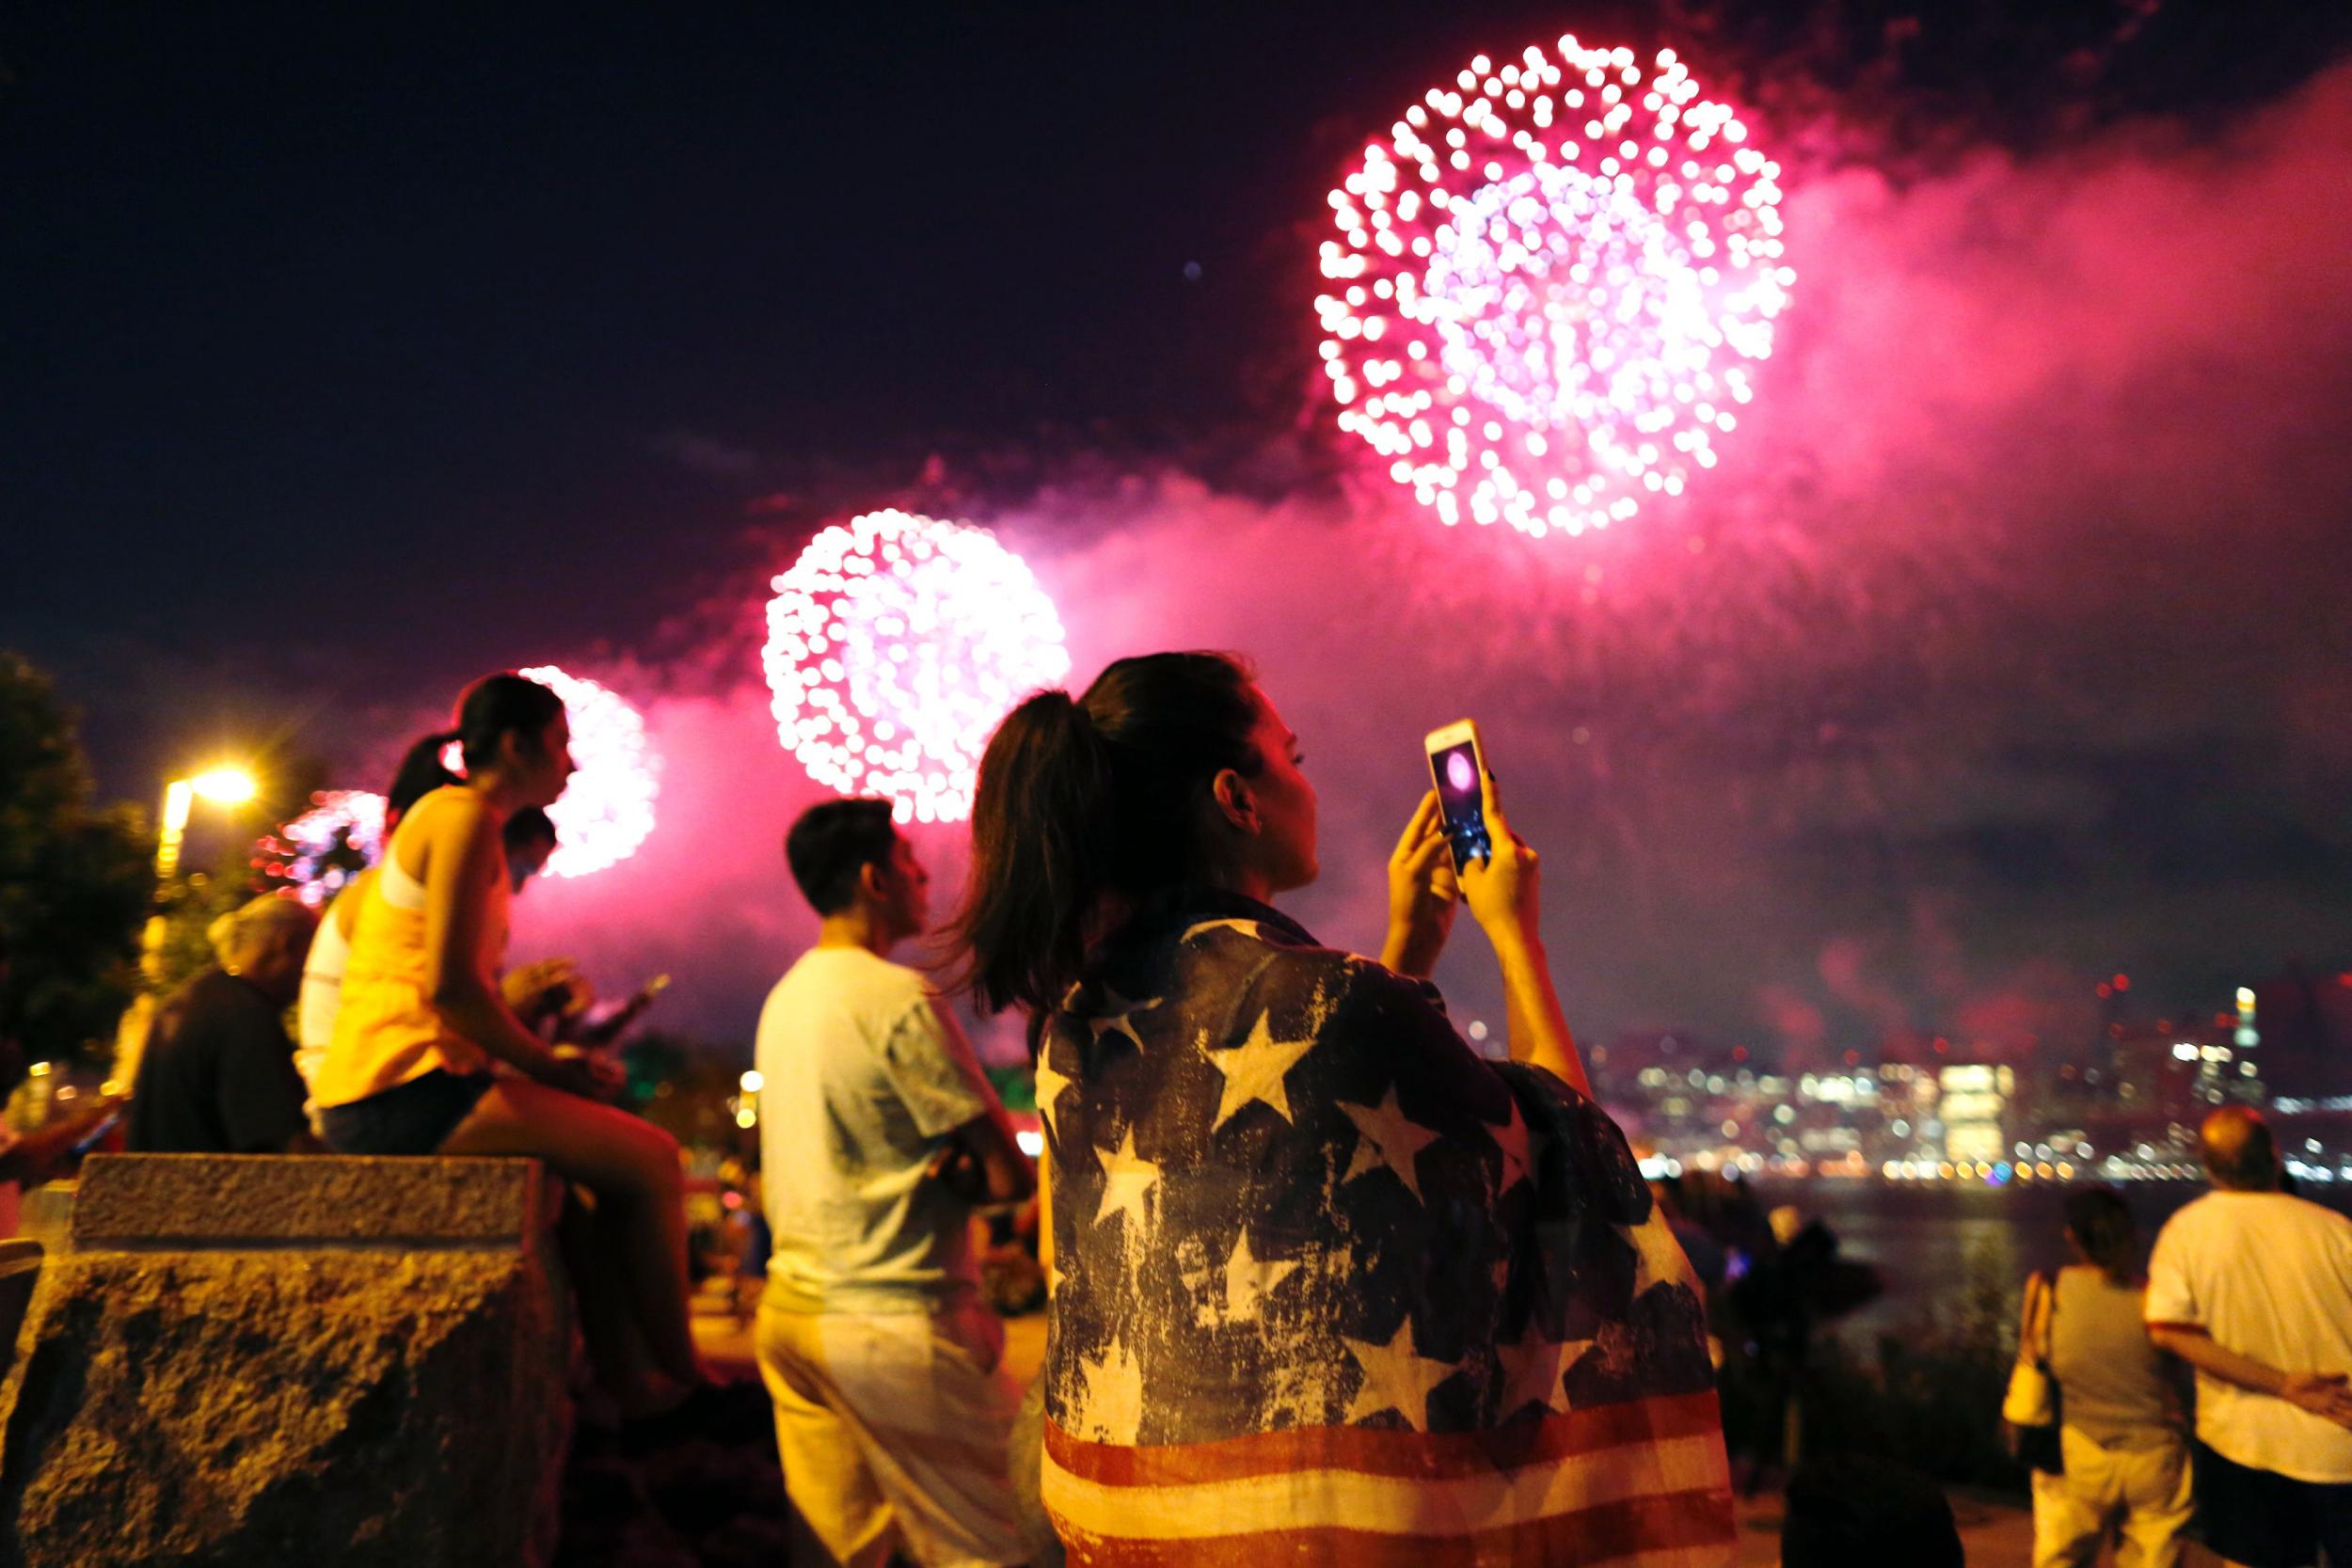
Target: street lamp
(221, 786)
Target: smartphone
(1457, 764)
(97, 1134)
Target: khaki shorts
(2137, 1493)
(893, 1429)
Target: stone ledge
(292, 1360)
(344, 1407)
(46, 1214)
(202, 1201)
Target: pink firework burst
(1548, 287)
(895, 644)
(607, 809)
(351, 819)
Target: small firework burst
(316, 853)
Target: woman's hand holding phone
(1502, 888)
(1504, 893)
(1422, 893)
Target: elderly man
(2254, 1288)
(218, 1075)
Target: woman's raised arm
(1503, 898)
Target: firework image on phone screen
(1456, 762)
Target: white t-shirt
(321, 994)
(2268, 1277)
(865, 1075)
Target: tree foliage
(74, 879)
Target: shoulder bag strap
(2033, 1347)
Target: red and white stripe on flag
(1641, 1483)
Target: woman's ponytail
(1099, 796)
(489, 710)
(421, 772)
(1041, 828)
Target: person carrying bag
(2031, 1405)
(2094, 1411)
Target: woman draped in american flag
(1328, 1288)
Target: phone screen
(1464, 806)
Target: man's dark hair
(1848, 1510)
(830, 843)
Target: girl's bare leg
(631, 1169)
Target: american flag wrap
(1333, 1290)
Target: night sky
(345, 357)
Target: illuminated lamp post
(221, 786)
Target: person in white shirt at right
(2254, 1288)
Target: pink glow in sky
(2051, 478)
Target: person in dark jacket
(217, 1076)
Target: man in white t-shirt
(2253, 1288)
(877, 1134)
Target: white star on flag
(1386, 1137)
(1248, 1280)
(1512, 1139)
(1117, 1022)
(1397, 1377)
(1532, 1369)
(1127, 1180)
(1114, 1395)
(1050, 1084)
(1253, 1071)
(1658, 1258)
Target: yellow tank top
(387, 1030)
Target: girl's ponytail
(421, 772)
(1042, 824)
(1082, 800)
(489, 710)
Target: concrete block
(46, 1214)
(258, 1359)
